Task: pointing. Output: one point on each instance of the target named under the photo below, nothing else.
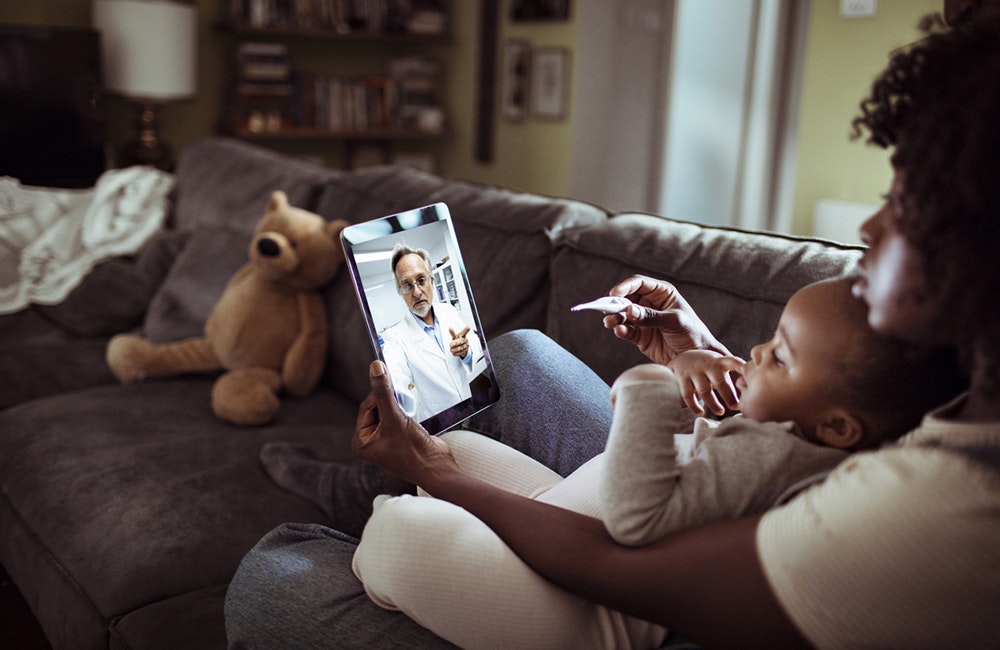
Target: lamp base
(147, 148)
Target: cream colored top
(898, 548)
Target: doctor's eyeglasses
(407, 287)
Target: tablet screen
(422, 320)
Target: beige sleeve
(898, 548)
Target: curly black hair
(938, 105)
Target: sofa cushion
(503, 235)
(227, 182)
(195, 281)
(189, 621)
(120, 496)
(737, 281)
(223, 186)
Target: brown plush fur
(268, 331)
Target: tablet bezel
(377, 237)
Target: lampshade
(148, 47)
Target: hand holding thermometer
(606, 304)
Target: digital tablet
(422, 320)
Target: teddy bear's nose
(268, 247)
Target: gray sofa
(124, 510)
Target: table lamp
(148, 52)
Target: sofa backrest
(529, 258)
(737, 281)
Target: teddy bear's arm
(306, 357)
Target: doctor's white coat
(426, 379)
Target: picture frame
(515, 80)
(539, 10)
(549, 93)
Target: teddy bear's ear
(278, 201)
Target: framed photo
(532, 10)
(550, 83)
(516, 73)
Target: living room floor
(18, 627)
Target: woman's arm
(706, 584)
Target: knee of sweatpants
(270, 597)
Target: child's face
(792, 376)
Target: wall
(842, 58)
(531, 155)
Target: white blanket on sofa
(51, 238)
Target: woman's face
(892, 279)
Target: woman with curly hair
(897, 548)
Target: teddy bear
(268, 330)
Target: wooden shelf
(364, 112)
(279, 31)
(318, 134)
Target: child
(824, 386)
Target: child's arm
(640, 471)
(705, 382)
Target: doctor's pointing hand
(459, 345)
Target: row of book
(426, 17)
(270, 97)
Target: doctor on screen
(430, 352)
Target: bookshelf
(278, 99)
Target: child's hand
(705, 380)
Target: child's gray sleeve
(737, 466)
(641, 471)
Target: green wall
(531, 155)
(842, 58)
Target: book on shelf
(338, 104)
(263, 87)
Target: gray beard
(422, 313)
